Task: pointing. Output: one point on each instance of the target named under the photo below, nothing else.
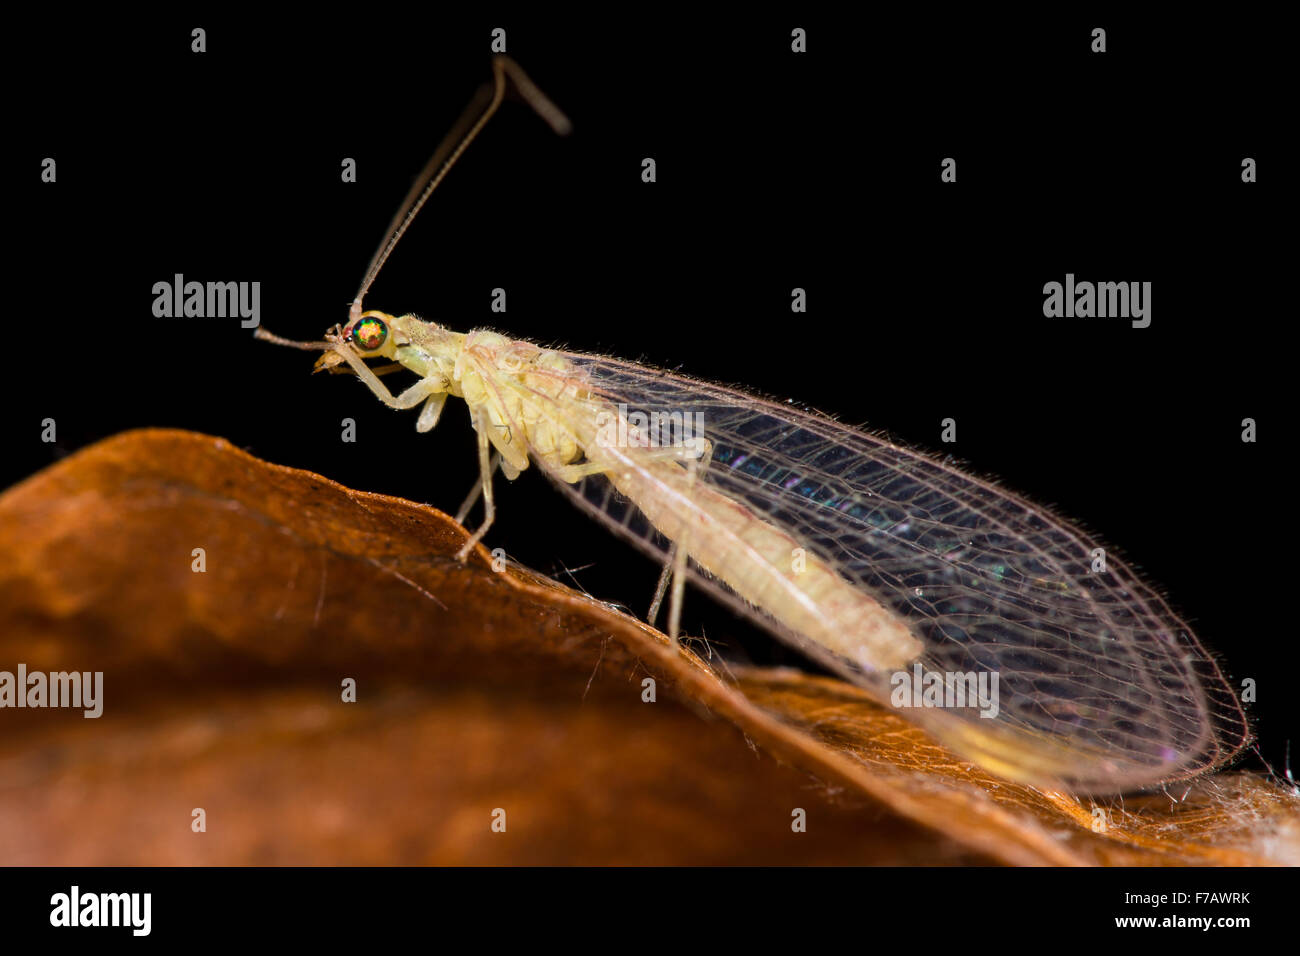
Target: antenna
(480, 109)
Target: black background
(775, 170)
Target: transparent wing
(1100, 686)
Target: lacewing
(978, 613)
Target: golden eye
(367, 333)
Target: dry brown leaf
(477, 690)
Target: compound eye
(368, 333)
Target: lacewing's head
(372, 334)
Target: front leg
(408, 399)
